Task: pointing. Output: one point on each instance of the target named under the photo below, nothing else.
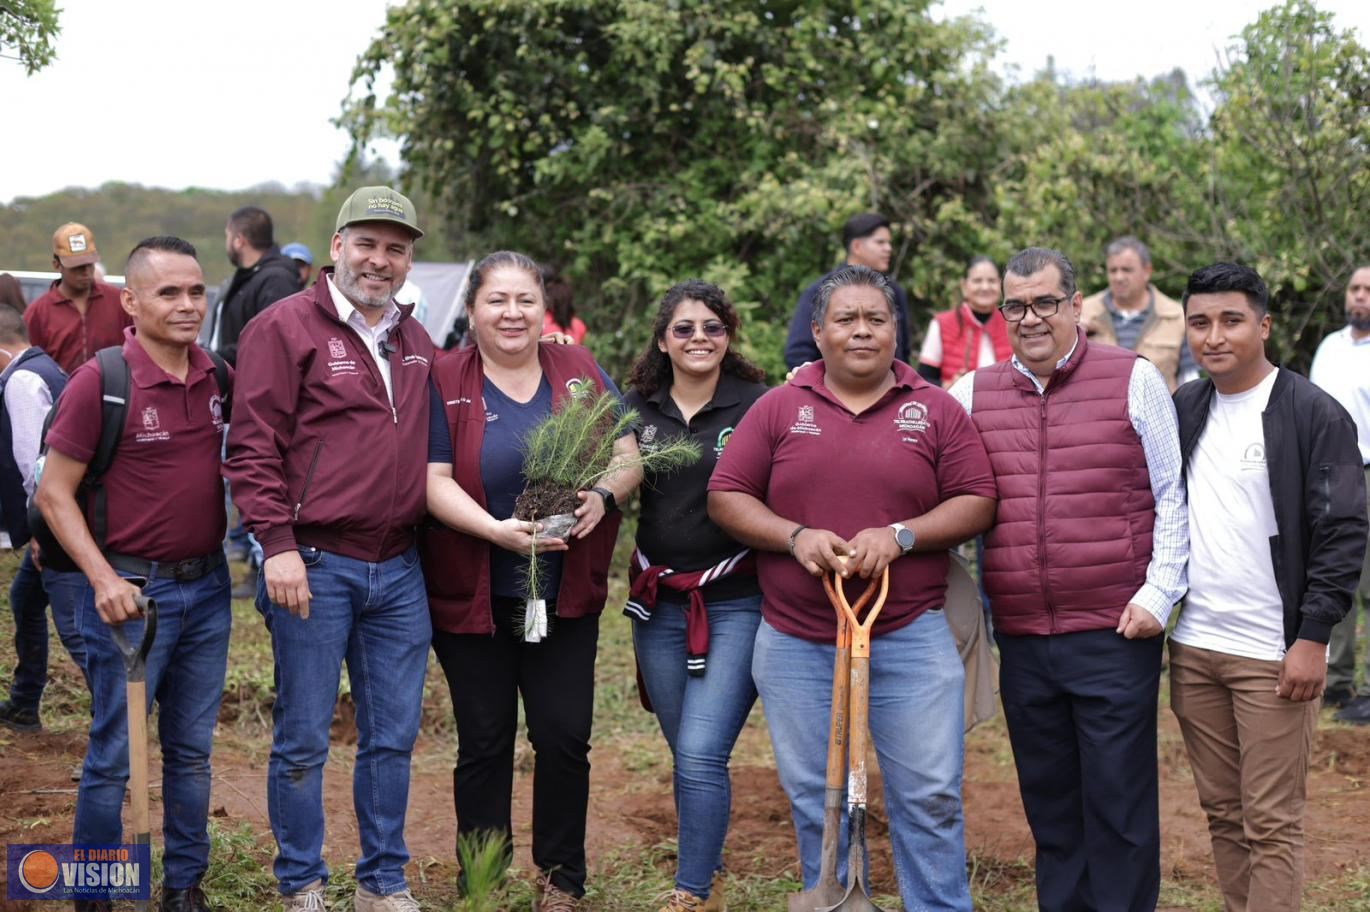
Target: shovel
(857, 897)
(135, 659)
(828, 890)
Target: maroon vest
(961, 334)
(456, 566)
(1072, 538)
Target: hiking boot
(19, 718)
(552, 898)
(683, 901)
(1339, 696)
(1357, 712)
(366, 901)
(247, 589)
(188, 900)
(309, 899)
(716, 901)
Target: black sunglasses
(712, 328)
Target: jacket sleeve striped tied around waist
(645, 577)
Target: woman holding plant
(694, 599)
(494, 642)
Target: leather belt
(183, 571)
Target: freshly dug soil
(543, 498)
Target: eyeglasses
(1015, 311)
(712, 328)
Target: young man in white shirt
(1276, 529)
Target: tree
(638, 143)
(29, 27)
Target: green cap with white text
(379, 204)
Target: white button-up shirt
(372, 336)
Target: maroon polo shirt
(803, 454)
(163, 494)
(69, 337)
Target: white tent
(441, 304)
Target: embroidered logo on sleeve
(805, 424)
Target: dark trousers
(556, 679)
(1081, 713)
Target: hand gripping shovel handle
(135, 666)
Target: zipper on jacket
(304, 489)
(394, 413)
(1042, 510)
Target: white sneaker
(367, 901)
(309, 899)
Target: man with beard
(263, 276)
(79, 315)
(1342, 368)
(327, 462)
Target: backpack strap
(221, 377)
(114, 387)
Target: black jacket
(248, 293)
(1317, 484)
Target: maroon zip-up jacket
(317, 456)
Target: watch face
(905, 539)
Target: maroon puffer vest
(1072, 538)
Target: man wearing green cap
(326, 462)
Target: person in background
(1133, 314)
(561, 308)
(12, 294)
(485, 399)
(29, 384)
(972, 335)
(1277, 530)
(304, 260)
(695, 600)
(262, 276)
(1341, 367)
(867, 241)
(78, 315)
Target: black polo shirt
(675, 528)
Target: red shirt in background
(576, 330)
(164, 498)
(69, 337)
(803, 454)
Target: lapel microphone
(387, 348)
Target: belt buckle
(182, 571)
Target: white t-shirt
(931, 353)
(1342, 368)
(1234, 604)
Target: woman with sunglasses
(694, 597)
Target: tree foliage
(28, 29)
(638, 143)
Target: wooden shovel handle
(860, 630)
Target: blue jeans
(185, 675)
(374, 616)
(701, 718)
(916, 684)
(29, 602)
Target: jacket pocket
(308, 477)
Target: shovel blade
(855, 900)
(824, 894)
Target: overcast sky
(229, 95)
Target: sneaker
(188, 900)
(309, 899)
(366, 901)
(19, 718)
(1339, 696)
(1357, 712)
(552, 898)
(716, 901)
(683, 901)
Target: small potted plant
(568, 452)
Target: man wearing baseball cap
(79, 315)
(326, 462)
(304, 260)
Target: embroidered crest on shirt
(648, 439)
(151, 421)
(339, 363)
(216, 411)
(152, 427)
(805, 424)
(336, 349)
(912, 418)
(1253, 458)
(723, 437)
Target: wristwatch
(610, 505)
(904, 537)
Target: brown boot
(716, 901)
(683, 901)
(551, 898)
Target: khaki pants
(1249, 751)
(1341, 648)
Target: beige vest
(1160, 339)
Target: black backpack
(90, 495)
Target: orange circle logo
(38, 871)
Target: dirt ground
(631, 803)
